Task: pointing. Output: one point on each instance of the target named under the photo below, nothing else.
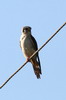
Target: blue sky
(45, 17)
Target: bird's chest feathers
(27, 46)
(26, 42)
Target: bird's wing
(34, 43)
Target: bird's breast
(27, 47)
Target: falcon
(28, 46)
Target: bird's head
(26, 30)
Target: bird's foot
(28, 59)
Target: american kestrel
(28, 45)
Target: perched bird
(28, 45)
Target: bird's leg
(28, 59)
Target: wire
(32, 55)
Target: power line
(32, 55)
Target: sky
(45, 17)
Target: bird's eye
(24, 30)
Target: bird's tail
(36, 68)
(37, 72)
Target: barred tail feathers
(36, 68)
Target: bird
(28, 46)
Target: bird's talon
(28, 59)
